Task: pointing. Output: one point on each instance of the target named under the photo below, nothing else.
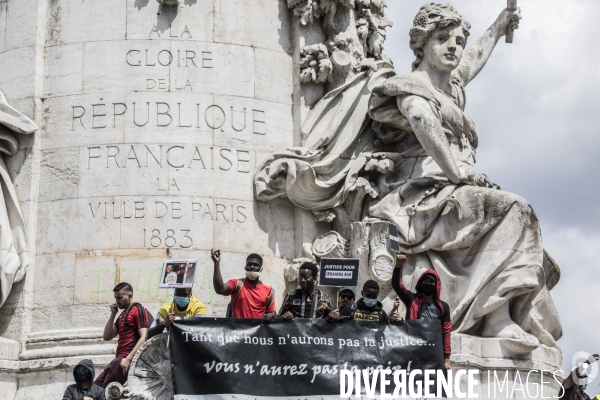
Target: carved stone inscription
(168, 156)
(171, 114)
(169, 222)
(158, 209)
(166, 169)
(135, 65)
(164, 57)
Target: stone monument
(380, 148)
(162, 133)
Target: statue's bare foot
(514, 338)
(500, 325)
(507, 331)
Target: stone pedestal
(153, 118)
(504, 376)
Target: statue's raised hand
(505, 20)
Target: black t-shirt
(360, 312)
(430, 311)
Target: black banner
(213, 358)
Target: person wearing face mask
(184, 304)
(250, 298)
(84, 388)
(367, 308)
(425, 303)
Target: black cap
(371, 284)
(432, 276)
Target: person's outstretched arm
(405, 295)
(475, 58)
(218, 284)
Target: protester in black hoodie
(367, 308)
(84, 387)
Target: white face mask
(252, 275)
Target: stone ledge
(68, 351)
(53, 363)
(488, 353)
(47, 336)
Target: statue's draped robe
(484, 243)
(319, 175)
(14, 254)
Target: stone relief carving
(14, 253)
(367, 160)
(355, 31)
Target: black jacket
(77, 392)
(360, 312)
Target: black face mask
(428, 289)
(83, 376)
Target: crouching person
(84, 386)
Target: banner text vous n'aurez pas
(225, 358)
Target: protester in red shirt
(250, 298)
(131, 327)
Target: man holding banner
(368, 308)
(306, 302)
(184, 305)
(345, 298)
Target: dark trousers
(112, 373)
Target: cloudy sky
(537, 113)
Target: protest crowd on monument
(367, 240)
(250, 298)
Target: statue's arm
(478, 54)
(429, 132)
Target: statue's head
(438, 31)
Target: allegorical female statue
(416, 148)
(14, 255)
